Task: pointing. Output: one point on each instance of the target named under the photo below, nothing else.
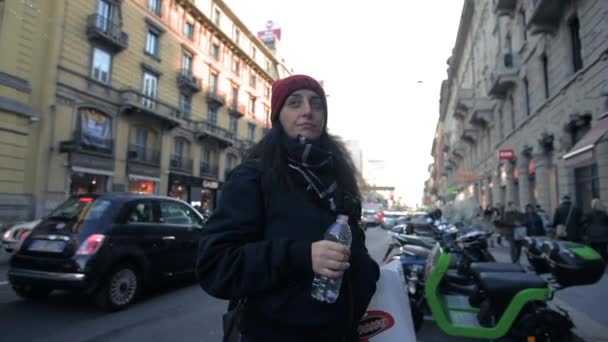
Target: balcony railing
(186, 80)
(505, 7)
(208, 169)
(483, 109)
(216, 97)
(505, 75)
(104, 30)
(207, 130)
(134, 101)
(237, 110)
(181, 163)
(546, 15)
(143, 154)
(92, 143)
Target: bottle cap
(342, 219)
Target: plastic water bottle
(326, 289)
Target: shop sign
(532, 167)
(506, 154)
(209, 184)
(91, 162)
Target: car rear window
(81, 209)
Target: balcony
(216, 98)
(208, 169)
(546, 15)
(237, 110)
(180, 163)
(208, 131)
(505, 7)
(187, 81)
(105, 31)
(135, 102)
(468, 134)
(463, 103)
(83, 142)
(457, 153)
(505, 75)
(481, 115)
(144, 155)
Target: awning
(582, 153)
(92, 171)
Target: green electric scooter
(512, 304)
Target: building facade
(523, 110)
(156, 96)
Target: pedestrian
(568, 216)
(544, 216)
(264, 241)
(514, 229)
(534, 223)
(595, 224)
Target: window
(253, 80)
(236, 66)
(178, 148)
(189, 30)
(185, 104)
(250, 131)
(524, 28)
(178, 213)
(140, 212)
(527, 94)
(212, 115)
(234, 125)
(187, 64)
(217, 17)
(267, 92)
(237, 36)
(235, 97)
(575, 37)
(253, 52)
(252, 101)
(213, 83)
(267, 66)
(152, 43)
(141, 141)
(150, 89)
(104, 15)
(508, 44)
(512, 105)
(215, 51)
(545, 64)
(155, 6)
(101, 65)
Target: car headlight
(7, 234)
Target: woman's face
(303, 114)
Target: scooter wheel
(546, 325)
(417, 314)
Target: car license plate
(47, 246)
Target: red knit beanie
(281, 89)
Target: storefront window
(81, 183)
(179, 192)
(142, 186)
(587, 186)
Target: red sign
(269, 36)
(374, 323)
(506, 154)
(532, 166)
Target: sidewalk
(585, 304)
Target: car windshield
(81, 208)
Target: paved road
(181, 312)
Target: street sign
(506, 154)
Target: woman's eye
(316, 104)
(293, 103)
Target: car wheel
(31, 292)
(120, 288)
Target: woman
(264, 243)
(534, 223)
(596, 227)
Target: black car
(109, 245)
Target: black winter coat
(596, 226)
(257, 245)
(573, 226)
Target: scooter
(512, 304)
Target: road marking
(3, 282)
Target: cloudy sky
(382, 63)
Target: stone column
(510, 184)
(525, 193)
(496, 188)
(601, 155)
(487, 190)
(542, 180)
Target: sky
(382, 63)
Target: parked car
(391, 218)
(108, 245)
(17, 233)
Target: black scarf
(313, 166)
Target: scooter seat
(507, 284)
(485, 267)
